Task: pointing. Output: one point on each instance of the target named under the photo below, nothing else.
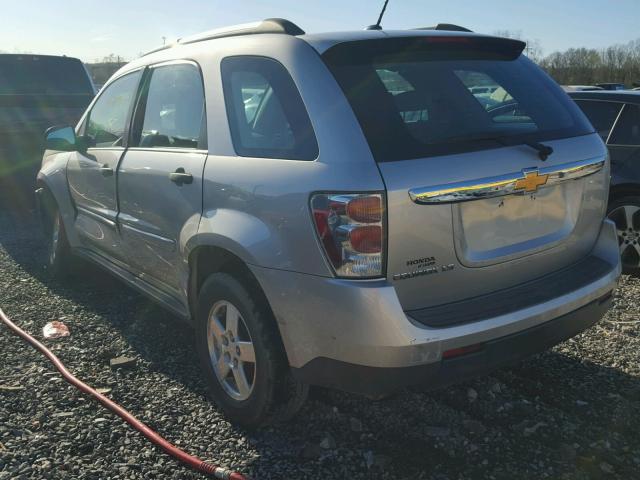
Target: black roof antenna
(377, 25)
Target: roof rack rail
(447, 27)
(270, 25)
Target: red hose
(193, 462)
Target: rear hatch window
(437, 95)
(32, 75)
(38, 91)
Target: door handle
(105, 170)
(180, 177)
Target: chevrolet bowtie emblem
(531, 182)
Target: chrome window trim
(597, 100)
(604, 100)
(615, 123)
(114, 149)
(502, 185)
(169, 150)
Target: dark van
(36, 92)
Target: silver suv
(340, 209)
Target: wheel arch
(53, 190)
(623, 190)
(206, 260)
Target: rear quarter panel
(259, 208)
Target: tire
(60, 261)
(250, 393)
(625, 213)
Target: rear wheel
(625, 213)
(242, 357)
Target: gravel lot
(573, 412)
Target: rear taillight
(351, 231)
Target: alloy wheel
(231, 350)
(627, 220)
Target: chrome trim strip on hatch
(528, 180)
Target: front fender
(53, 177)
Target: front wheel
(625, 213)
(60, 260)
(242, 357)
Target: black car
(36, 91)
(611, 86)
(616, 117)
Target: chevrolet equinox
(365, 210)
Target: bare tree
(102, 69)
(617, 63)
(533, 50)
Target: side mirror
(62, 139)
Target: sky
(91, 29)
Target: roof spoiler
(270, 25)
(424, 48)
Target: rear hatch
(37, 92)
(460, 127)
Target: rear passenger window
(107, 120)
(602, 115)
(266, 115)
(174, 109)
(627, 131)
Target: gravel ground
(570, 413)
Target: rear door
(160, 177)
(619, 125)
(472, 206)
(602, 114)
(92, 174)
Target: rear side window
(173, 109)
(266, 114)
(602, 115)
(107, 122)
(627, 130)
(426, 96)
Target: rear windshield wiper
(544, 151)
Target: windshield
(39, 75)
(415, 99)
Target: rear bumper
(376, 381)
(354, 335)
